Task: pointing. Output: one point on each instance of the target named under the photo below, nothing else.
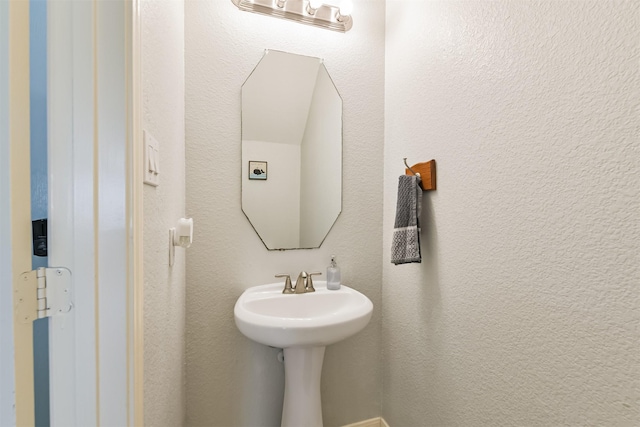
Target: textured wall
(525, 308)
(232, 381)
(164, 304)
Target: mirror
(291, 151)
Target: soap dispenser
(333, 275)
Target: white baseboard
(373, 422)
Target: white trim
(62, 373)
(112, 224)
(90, 211)
(70, 122)
(84, 195)
(372, 422)
(136, 212)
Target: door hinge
(44, 292)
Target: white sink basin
(266, 315)
(301, 324)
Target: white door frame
(95, 221)
(95, 211)
(70, 97)
(136, 179)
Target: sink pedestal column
(302, 370)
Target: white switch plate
(151, 160)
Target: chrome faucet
(304, 283)
(301, 283)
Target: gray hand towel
(405, 245)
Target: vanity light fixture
(310, 12)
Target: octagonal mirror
(291, 151)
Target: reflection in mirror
(291, 151)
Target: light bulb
(313, 5)
(346, 7)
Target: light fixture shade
(315, 3)
(325, 16)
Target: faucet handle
(310, 287)
(288, 289)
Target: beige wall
(525, 308)
(164, 303)
(232, 381)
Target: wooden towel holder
(426, 171)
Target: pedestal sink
(303, 325)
